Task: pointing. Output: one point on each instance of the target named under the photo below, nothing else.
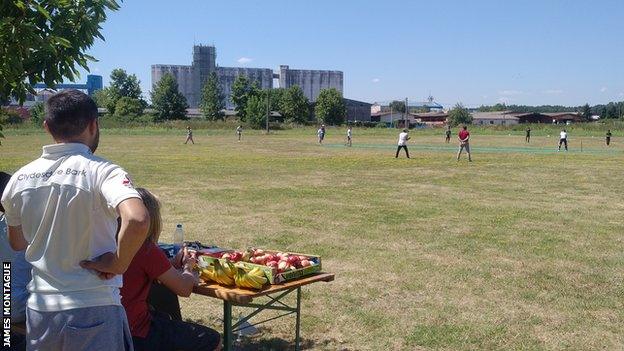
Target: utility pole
(268, 109)
(406, 114)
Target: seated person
(154, 331)
(20, 272)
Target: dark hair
(404, 130)
(465, 127)
(69, 112)
(4, 180)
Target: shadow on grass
(262, 340)
(260, 343)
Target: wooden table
(244, 298)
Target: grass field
(520, 249)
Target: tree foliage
(37, 114)
(459, 115)
(256, 110)
(101, 97)
(129, 107)
(167, 99)
(294, 105)
(212, 104)
(397, 106)
(46, 41)
(494, 108)
(123, 85)
(330, 107)
(586, 112)
(241, 91)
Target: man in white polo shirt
(63, 209)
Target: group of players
(463, 137)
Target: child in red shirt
(151, 331)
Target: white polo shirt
(66, 203)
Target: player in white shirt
(239, 132)
(320, 133)
(563, 139)
(402, 144)
(63, 209)
(349, 135)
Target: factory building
(191, 78)
(310, 81)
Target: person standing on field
(608, 137)
(321, 134)
(448, 134)
(349, 135)
(563, 139)
(189, 135)
(402, 144)
(528, 135)
(62, 209)
(239, 132)
(464, 142)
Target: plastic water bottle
(178, 238)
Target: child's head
(153, 208)
(4, 180)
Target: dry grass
(522, 249)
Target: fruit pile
(279, 261)
(227, 273)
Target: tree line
(123, 99)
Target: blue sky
(475, 52)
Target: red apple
(282, 265)
(292, 259)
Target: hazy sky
(475, 52)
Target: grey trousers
(92, 328)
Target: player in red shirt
(151, 331)
(464, 142)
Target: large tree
(397, 106)
(256, 110)
(240, 94)
(211, 104)
(294, 105)
(459, 115)
(123, 85)
(168, 102)
(129, 107)
(586, 112)
(612, 111)
(46, 41)
(330, 107)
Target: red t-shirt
(148, 264)
(463, 134)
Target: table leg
(298, 321)
(227, 326)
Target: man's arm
(16, 238)
(132, 234)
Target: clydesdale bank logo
(47, 175)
